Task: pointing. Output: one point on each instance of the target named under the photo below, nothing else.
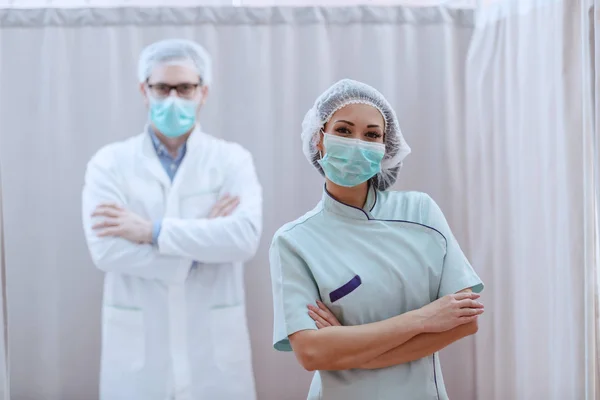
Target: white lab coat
(170, 331)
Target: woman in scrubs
(370, 284)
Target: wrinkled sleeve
(294, 288)
(457, 272)
(103, 184)
(229, 239)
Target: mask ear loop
(322, 138)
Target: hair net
(175, 51)
(340, 95)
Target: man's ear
(204, 90)
(144, 92)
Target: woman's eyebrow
(352, 124)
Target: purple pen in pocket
(345, 290)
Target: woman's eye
(343, 131)
(374, 135)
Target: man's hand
(117, 221)
(322, 316)
(224, 207)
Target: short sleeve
(457, 272)
(294, 288)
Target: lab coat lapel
(189, 162)
(152, 163)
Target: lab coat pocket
(230, 338)
(198, 205)
(123, 339)
(345, 289)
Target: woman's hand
(322, 316)
(450, 311)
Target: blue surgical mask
(173, 116)
(350, 162)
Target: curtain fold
(230, 16)
(591, 54)
(4, 388)
(528, 213)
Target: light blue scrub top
(367, 265)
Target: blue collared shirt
(170, 164)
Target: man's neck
(172, 144)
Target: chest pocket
(146, 198)
(197, 205)
(345, 289)
(346, 297)
(397, 270)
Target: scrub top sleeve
(294, 288)
(457, 272)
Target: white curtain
(4, 391)
(74, 90)
(591, 35)
(496, 141)
(246, 3)
(527, 194)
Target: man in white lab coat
(170, 215)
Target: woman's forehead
(359, 113)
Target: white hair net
(340, 95)
(175, 51)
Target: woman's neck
(355, 196)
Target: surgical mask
(350, 162)
(173, 116)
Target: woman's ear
(320, 142)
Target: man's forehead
(174, 73)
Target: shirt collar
(160, 148)
(336, 207)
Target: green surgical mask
(173, 116)
(350, 162)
